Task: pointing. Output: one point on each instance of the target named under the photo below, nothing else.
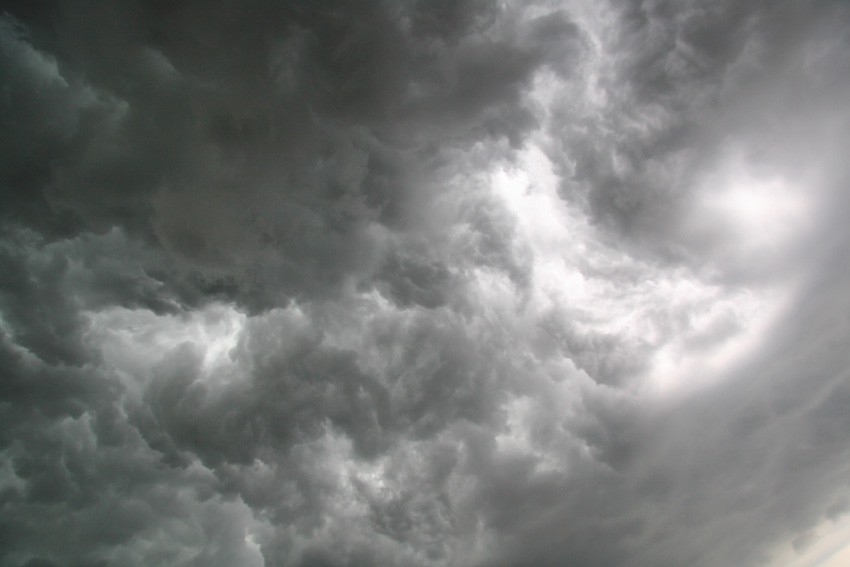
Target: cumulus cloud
(422, 283)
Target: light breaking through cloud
(470, 283)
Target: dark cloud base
(280, 282)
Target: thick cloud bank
(459, 283)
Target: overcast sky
(421, 283)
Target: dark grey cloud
(246, 154)
(423, 283)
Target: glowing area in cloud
(688, 330)
(828, 545)
(130, 340)
(760, 213)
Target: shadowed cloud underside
(469, 283)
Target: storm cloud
(467, 283)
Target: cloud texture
(425, 283)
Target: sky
(424, 283)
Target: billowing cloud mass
(461, 283)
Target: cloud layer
(473, 283)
